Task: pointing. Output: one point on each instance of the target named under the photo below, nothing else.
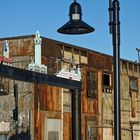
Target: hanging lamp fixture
(75, 25)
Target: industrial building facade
(45, 111)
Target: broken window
(92, 84)
(68, 53)
(133, 82)
(107, 83)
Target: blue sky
(24, 17)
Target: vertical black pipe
(76, 114)
(16, 109)
(116, 59)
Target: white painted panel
(52, 129)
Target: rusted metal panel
(99, 61)
(67, 126)
(84, 93)
(89, 105)
(20, 47)
(50, 98)
(50, 48)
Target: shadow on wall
(21, 136)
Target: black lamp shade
(75, 25)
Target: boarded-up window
(91, 130)
(91, 84)
(133, 82)
(83, 57)
(79, 56)
(76, 56)
(67, 52)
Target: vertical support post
(116, 59)
(16, 109)
(37, 42)
(76, 114)
(138, 50)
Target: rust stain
(99, 61)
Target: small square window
(106, 79)
(107, 84)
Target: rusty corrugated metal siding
(99, 61)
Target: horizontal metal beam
(35, 77)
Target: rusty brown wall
(99, 61)
(89, 105)
(47, 103)
(50, 48)
(67, 127)
(23, 46)
(48, 100)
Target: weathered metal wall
(130, 100)
(41, 103)
(21, 51)
(89, 107)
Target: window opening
(107, 87)
(133, 82)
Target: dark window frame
(107, 88)
(133, 79)
(92, 84)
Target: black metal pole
(116, 59)
(16, 109)
(76, 114)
